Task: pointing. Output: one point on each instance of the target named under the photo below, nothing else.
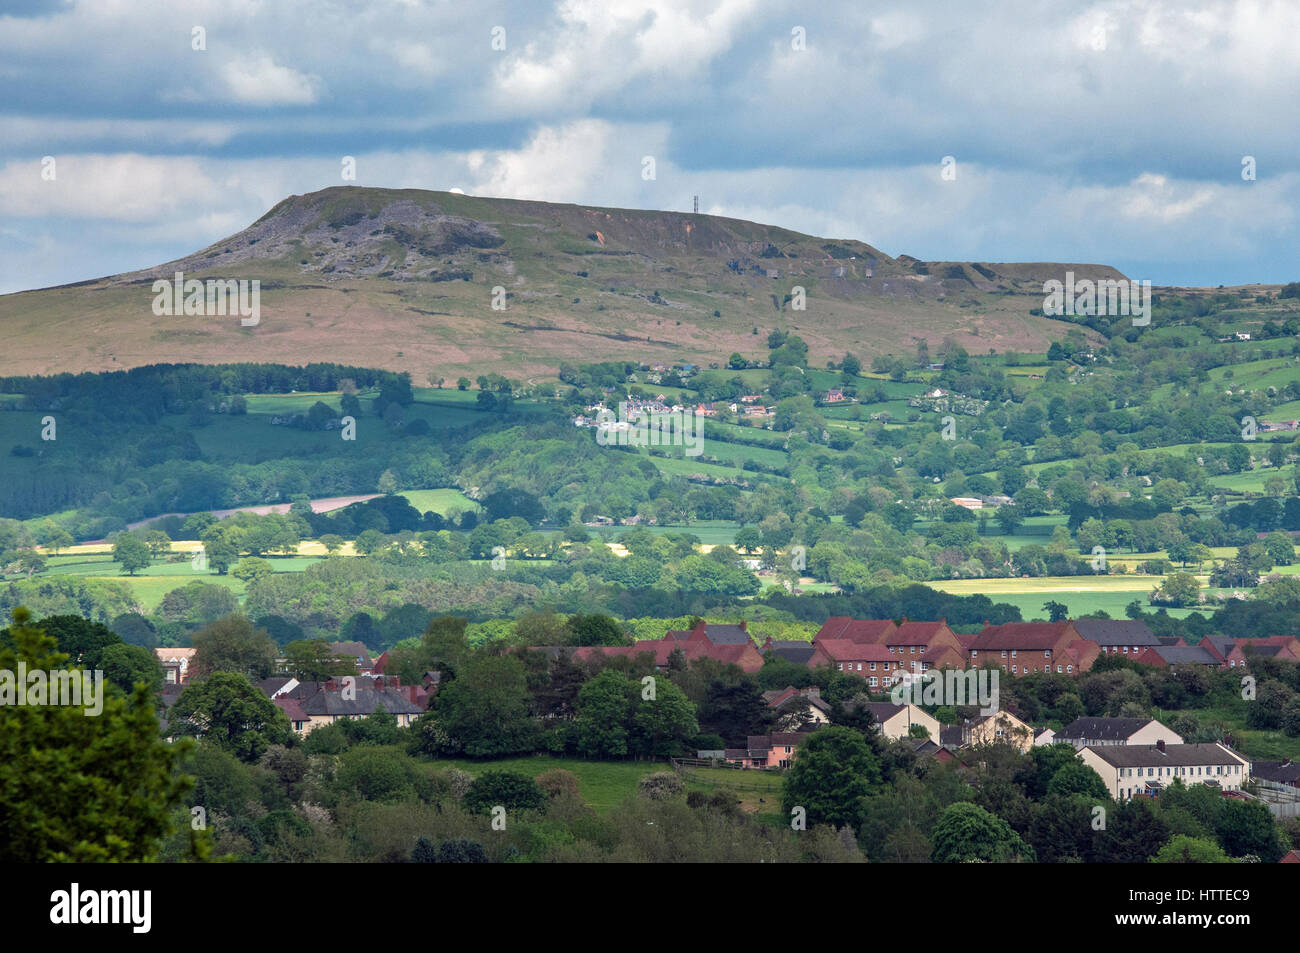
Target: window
(859, 666)
(1069, 669)
(1004, 653)
(841, 666)
(1047, 653)
(1014, 669)
(913, 649)
(873, 666)
(1058, 669)
(872, 681)
(1126, 650)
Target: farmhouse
(1145, 770)
(896, 721)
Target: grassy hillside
(404, 279)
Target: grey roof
(1102, 729)
(883, 711)
(727, 635)
(1116, 631)
(1185, 655)
(797, 652)
(1282, 772)
(1221, 642)
(1143, 756)
(367, 700)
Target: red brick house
(873, 631)
(872, 662)
(1024, 648)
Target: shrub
(661, 786)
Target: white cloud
(258, 81)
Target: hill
(404, 279)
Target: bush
(661, 786)
(558, 781)
(508, 789)
(448, 852)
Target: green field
(439, 501)
(603, 784)
(1083, 594)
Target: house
(1117, 636)
(1044, 737)
(1163, 656)
(357, 651)
(1145, 770)
(896, 721)
(1001, 727)
(925, 748)
(792, 650)
(1236, 651)
(337, 700)
(1277, 772)
(968, 502)
(925, 645)
(1100, 732)
(175, 664)
(1291, 857)
(835, 396)
(298, 718)
(873, 662)
(1025, 648)
(776, 750)
(797, 705)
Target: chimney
(744, 626)
(331, 685)
(1161, 745)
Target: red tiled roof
(291, 707)
(1029, 636)
(914, 633)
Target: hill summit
(427, 281)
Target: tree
(1056, 611)
(662, 725)
(131, 552)
(483, 713)
(126, 665)
(313, 660)
(604, 706)
(737, 361)
(228, 711)
(1183, 849)
(508, 789)
(252, 568)
(1077, 778)
(387, 483)
(32, 561)
(78, 789)
(833, 771)
(595, 629)
(234, 644)
(332, 543)
(462, 383)
(966, 832)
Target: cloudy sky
(1110, 132)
